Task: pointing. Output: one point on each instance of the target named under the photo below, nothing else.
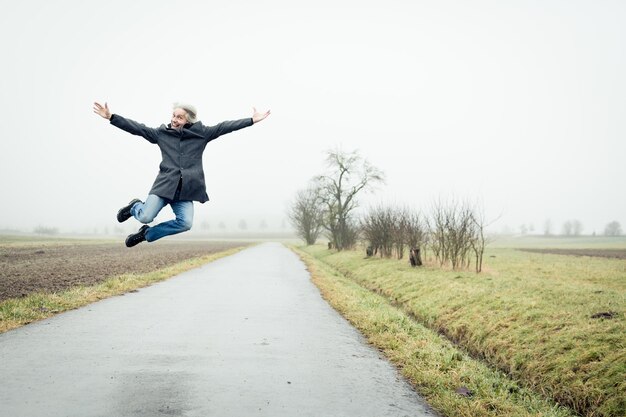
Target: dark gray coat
(181, 151)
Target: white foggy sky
(518, 104)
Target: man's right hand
(102, 111)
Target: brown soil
(602, 253)
(56, 267)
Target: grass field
(529, 315)
(578, 242)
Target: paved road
(247, 335)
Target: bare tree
(613, 229)
(437, 227)
(348, 175)
(547, 227)
(306, 214)
(45, 230)
(567, 228)
(453, 229)
(577, 227)
(523, 229)
(572, 228)
(400, 228)
(460, 235)
(480, 239)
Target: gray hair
(192, 113)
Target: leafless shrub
(416, 231)
(377, 229)
(389, 231)
(457, 233)
(306, 214)
(350, 234)
(399, 231)
(480, 239)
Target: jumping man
(181, 177)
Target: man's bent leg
(184, 219)
(146, 212)
(123, 214)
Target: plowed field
(51, 267)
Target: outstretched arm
(128, 125)
(258, 116)
(223, 128)
(102, 111)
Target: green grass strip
(529, 315)
(435, 366)
(17, 312)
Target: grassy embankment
(528, 315)
(17, 312)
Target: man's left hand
(258, 116)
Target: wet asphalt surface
(247, 335)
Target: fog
(518, 105)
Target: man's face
(179, 118)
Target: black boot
(123, 214)
(138, 237)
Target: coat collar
(189, 130)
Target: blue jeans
(146, 212)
